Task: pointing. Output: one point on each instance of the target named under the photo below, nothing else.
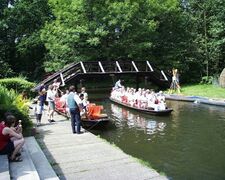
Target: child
(38, 112)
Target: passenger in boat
(63, 98)
(131, 97)
(143, 99)
(83, 112)
(75, 107)
(83, 91)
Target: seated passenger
(83, 111)
(11, 139)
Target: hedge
(11, 101)
(18, 84)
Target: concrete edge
(40, 161)
(4, 167)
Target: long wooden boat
(148, 111)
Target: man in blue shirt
(74, 105)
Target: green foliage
(22, 50)
(17, 84)
(102, 30)
(10, 101)
(46, 35)
(207, 80)
(5, 69)
(208, 29)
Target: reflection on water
(188, 144)
(149, 126)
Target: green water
(188, 144)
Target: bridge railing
(115, 67)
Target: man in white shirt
(51, 103)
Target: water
(188, 144)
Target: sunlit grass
(203, 90)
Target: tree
(209, 30)
(101, 30)
(21, 46)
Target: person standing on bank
(74, 104)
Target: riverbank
(203, 90)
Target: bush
(207, 80)
(12, 102)
(18, 84)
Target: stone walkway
(85, 156)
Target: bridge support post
(137, 82)
(113, 78)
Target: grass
(204, 90)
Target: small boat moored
(94, 117)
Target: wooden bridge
(91, 68)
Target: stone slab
(24, 170)
(40, 161)
(4, 167)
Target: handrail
(108, 67)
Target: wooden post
(137, 82)
(146, 81)
(113, 78)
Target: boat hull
(94, 124)
(147, 111)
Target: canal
(188, 144)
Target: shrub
(18, 84)
(207, 80)
(12, 102)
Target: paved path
(85, 156)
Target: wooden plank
(149, 65)
(118, 65)
(135, 67)
(62, 79)
(164, 75)
(83, 68)
(101, 67)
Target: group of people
(11, 138)
(72, 101)
(142, 98)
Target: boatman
(118, 84)
(74, 104)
